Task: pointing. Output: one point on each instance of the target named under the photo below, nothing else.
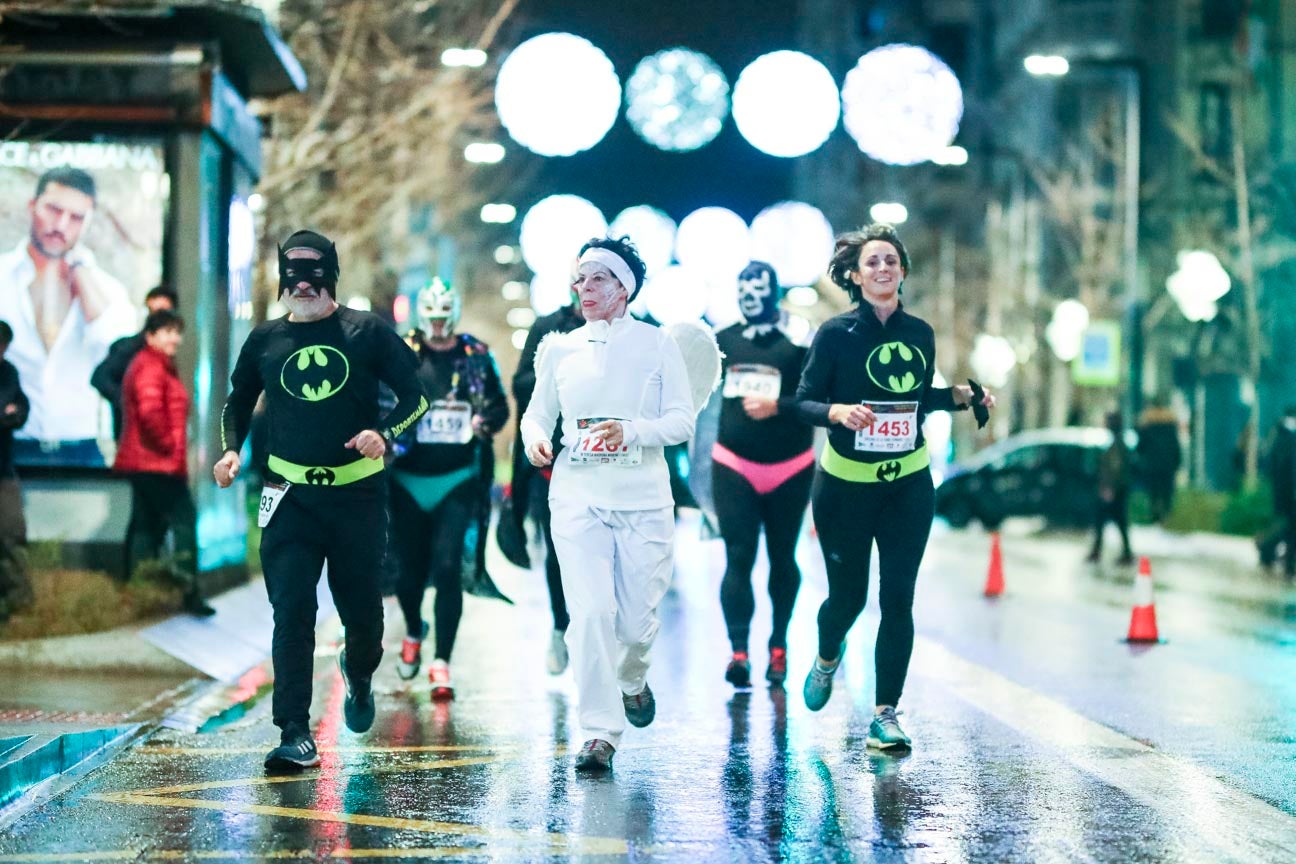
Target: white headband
(614, 262)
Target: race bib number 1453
(894, 431)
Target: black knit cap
(306, 239)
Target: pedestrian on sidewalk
(622, 390)
(511, 531)
(1114, 472)
(154, 454)
(15, 582)
(325, 500)
(109, 375)
(868, 378)
(440, 489)
(1280, 466)
(762, 464)
(1159, 456)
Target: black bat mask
(320, 273)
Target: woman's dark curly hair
(846, 255)
(623, 247)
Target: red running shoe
(776, 672)
(442, 686)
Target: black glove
(980, 411)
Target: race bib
(894, 431)
(752, 379)
(445, 422)
(271, 495)
(589, 450)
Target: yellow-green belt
(886, 471)
(324, 475)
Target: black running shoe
(641, 708)
(358, 709)
(595, 757)
(738, 672)
(296, 751)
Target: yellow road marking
(240, 751)
(247, 782)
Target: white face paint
(601, 295)
(754, 295)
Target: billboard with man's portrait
(81, 232)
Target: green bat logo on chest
(897, 367)
(314, 374)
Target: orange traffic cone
(994, 578)
(1143, 626)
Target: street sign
(1098, 363)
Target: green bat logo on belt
(320, 476)
(315, 373)
(888, 471)
(897, 367)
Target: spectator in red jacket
(154, 445)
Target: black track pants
(553, 573)
(849, 518)
(345, 526)
(741, 513)
(161, 503)
(433, 543)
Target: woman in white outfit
(622, 390)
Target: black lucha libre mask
(321, 273)
(759, 293)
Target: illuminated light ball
(242, 235)
(676, 294)
(677, 99)
(786, 103)
(715, 243)
(890, 212)
(1065, 332)
(722, 305)
(798, 329)
(902, 104)
(363, 304)
(557, 94)
(401, 308)
(796, 239)
(652, 232)
(514, 290)
(554, 230)
(551, 291)
(992, 359)
(520, 316)
(803, 295)
(519, 338)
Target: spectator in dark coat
(1113, 491)
(15, 584)
(1159, 457)
(1280, 466)
(108, 375)
(153, 452)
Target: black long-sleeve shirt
(465, 373)
(776, 438)
(108, 376)
(11, 393)
(855, 358)
(564, 320)
(321, 379)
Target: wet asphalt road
(1039, 737)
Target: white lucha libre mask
(438, 302)
(758, 294)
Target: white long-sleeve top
(626, 370)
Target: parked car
(1043, 472)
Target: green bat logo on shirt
(315, 373)
(897, 367)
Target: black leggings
(161, 503)
(415, 534)
(553, 573)
(344, 526)
(741, 512)
(849, 517)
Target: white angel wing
(701, 357)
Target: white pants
(616, 567)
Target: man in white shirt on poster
(65, 310)
(623, 391)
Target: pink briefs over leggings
(763, 478)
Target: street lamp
(484, 152)
(1198, 284)
(1131, 80)
(889, 211)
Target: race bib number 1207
(894, 431)
(592, 450)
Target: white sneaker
(557, 653)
